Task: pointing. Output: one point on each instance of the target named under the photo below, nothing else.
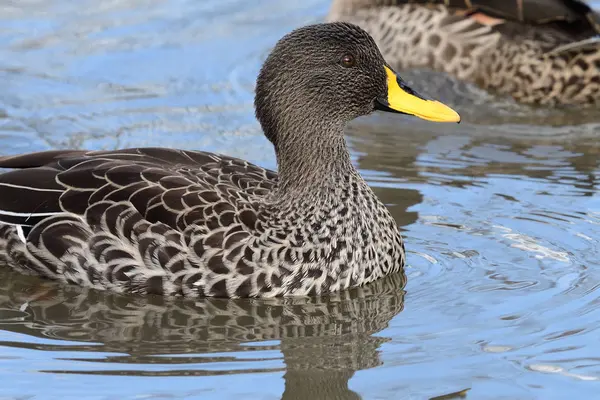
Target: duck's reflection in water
(323, 340)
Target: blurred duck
(538, 51)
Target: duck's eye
(348, 61)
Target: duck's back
(534, 12)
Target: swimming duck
(191, 223)
(538, 51)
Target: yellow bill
(402, 99)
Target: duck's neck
(313, 162)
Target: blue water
(500, 214)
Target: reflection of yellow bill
(403, 99)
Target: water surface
(500, 214)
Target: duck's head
(329, 74)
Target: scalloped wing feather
(160, 183)
(150, 221)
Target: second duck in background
(538, 51)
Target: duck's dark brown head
(325, 75)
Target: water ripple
(500, 214)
